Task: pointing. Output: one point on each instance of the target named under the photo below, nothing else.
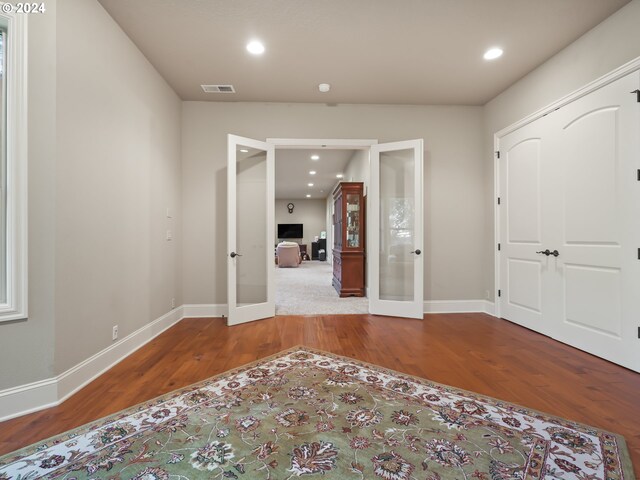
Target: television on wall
(290, 230)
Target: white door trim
(600, 82)
(320, 143)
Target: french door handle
(416, 251)
(234, 255)
(555, 253)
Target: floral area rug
(313, 414)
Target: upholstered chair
(288, 254)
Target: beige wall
(604, 48)
(454, 195)
(118, 170)
(358, 168)
(311, 213)
(104, 165)
(26, 346)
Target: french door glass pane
(396, 225)
(251, 226)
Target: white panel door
(250, 230)
(598, 154)
(396, 278)
(569, 187)
(522, 233)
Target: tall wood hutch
(348, 239)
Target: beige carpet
(307, 290)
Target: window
(13, 168)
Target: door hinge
(499, 293)
(639, 174)
(637, 92)
(498, 247)
(639, 254)
(499, 197)
(498, 153)
(638, 332)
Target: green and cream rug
(305, 413)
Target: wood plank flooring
(471, 351)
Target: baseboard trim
(490, 308)
(459, 306)
(88, 370)
(430, 306)
(205, 310)
(29, 398)
(18, 401)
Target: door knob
(416, 251)
(548, 252)
(234, 255)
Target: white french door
(569, 228)
(395, 240)
(250, 230)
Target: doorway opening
(305, 178)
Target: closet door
(524, 204)
(597, 162)
(569, 223)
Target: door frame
(590, 87)
(329, 144)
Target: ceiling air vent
(218, 88)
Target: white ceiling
(370, 51)
(292, 172)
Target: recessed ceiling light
(312, 172)
(315, 157)
(324, 87)
(310, 184)
(493, 53)
(308, 196)
(255, 47)
(339, 175)
(244, 150)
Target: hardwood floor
(471, 351)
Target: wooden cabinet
(348, 239)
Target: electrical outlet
(486, 294)
(169, 235)
(114, 334)
(173, 303)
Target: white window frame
(15, 76)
